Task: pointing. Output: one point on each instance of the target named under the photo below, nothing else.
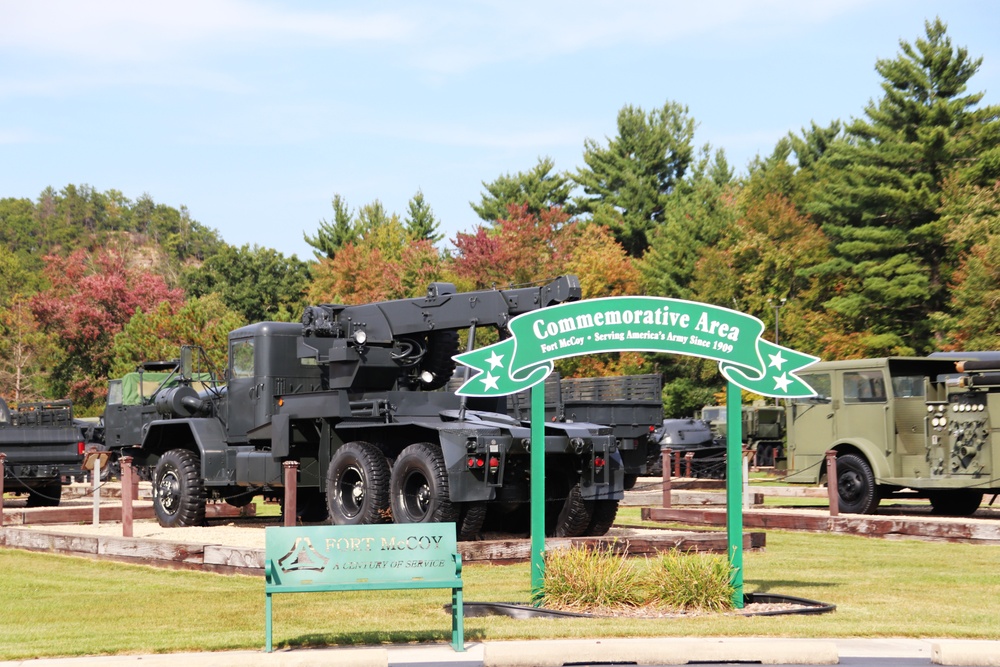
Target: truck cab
(896, 424)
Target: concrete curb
(659, 651)
(966, 653)
(557, 652)
(350, 657)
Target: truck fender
(870, 451)
(206, 437)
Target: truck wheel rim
(352, 491)
(850, 485)
(168, 491)
(416, 496)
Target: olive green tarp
(147, 383)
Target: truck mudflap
(205, 436)
(603, 479)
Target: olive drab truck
(763, 430)
(355, 395)
(900, 426)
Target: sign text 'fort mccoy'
(640, 324)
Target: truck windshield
(241, 360)
(820, 382)
(713, 414)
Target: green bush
(584, 579)
(581, 579)
(690, 581)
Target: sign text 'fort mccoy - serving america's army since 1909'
(662, 318)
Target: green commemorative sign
(641, 324)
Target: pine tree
(332, 236)
(880, 204)
(538, 189)
(697, 218)
(420, 221)
(638, 170)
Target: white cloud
(10, 137)
(442, 37)
(496, 32)
(116, 30)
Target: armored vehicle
(43, 444)
(900, 425)
(682, 436)
(354, 395)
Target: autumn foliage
(91, 297)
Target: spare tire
(437, 363)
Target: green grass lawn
(882, 588)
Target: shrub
(583, 579)
(690, 581)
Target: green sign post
(641, 324)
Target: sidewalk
(540, 653)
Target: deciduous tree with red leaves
(90, 299)
(517, 250)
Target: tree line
(878, 235)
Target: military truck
(43, 444)
(763, 430)
(632, 405)
(131, 402)
(352, 393)
(900, 426)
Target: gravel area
(245, 533)
(226, 534)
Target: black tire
(179, 490)
(856, 485)
(654, 466)
(441, 347)
(574, 516)
(419, 486)
(47, 495)
(357, 485)
(239, 498)
(312, 506)
(630, 481)
(960, 502)
(111, 470)
(603, 517)
(472, 516)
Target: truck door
(243, 389)
(864, 414)
(811, 428)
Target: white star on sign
(495, 360)
(490, 381)
(776, 360)
(781, 382)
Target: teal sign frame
(316, 559)
(638, 324)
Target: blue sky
(254, 114)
